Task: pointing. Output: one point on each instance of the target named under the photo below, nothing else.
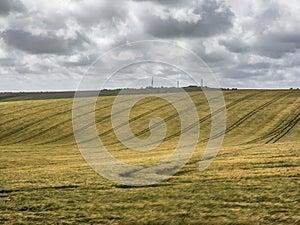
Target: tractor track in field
(249, 115)
(138, 117)
(105, 118)
(28, 125)
(61, 122)
(193, 124)
(31, 113)
(233, 126)
(9, 107)
(142, 115)
(284, 128)
(205, 118)
(18, 131)
(111, 130)
(30, 107)
(131, 120)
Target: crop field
(255, 178)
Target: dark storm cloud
(214, 17)
(7, 6)
(42, 44)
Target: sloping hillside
(253, 180)
(252, 117)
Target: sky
(50, 45)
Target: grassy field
(255, 178)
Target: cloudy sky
(49, 45)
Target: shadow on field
(146, 186)
(38, 188)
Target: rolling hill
(253, 180)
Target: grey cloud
(24, 69)
(8, 6)
(84, 60)
(254, 66)
(276, 45)
(216, 57)
(293, 60)
(292, 37)
(241, 74)
(275, 33)
(271, 15)
(42, 44)
(246, 45)
(235, 45)
(216, 18)
(271, 37)
(103, 13)
(7, 62)
(165, 2)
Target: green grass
(255, 178)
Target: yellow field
(254, 179)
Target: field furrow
(38, 128)
(201, 120)
(277, 130)
(285, 130)
(101, 119)
(250, 114)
